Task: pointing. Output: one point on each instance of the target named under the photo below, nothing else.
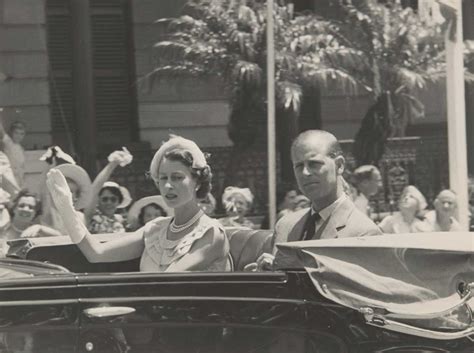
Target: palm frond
(247, 73)
(410, 79)
(289, 96)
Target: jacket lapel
(338, 220)
(296, 232)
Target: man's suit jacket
(345, 221)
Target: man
(367, 180)
(318, 165)
(442, 218)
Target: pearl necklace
(176, 229)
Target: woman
(11, 146)
(237, 202)
(189, 241)
(409, 219)
(20, 220)
(147, 209)
(107, 197)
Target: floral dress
(161, 252)
(100, 223)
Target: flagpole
(271, 147)
(456, 107)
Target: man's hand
(263, 263)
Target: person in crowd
(286, 194)
(410, 218)
(301, 202)
(8, 180)
(188, 241)
(367, 181)
(20, 222)
(13, 149)
(208, 205)
(288, 204)
(147, 209)
(443, 217)
(5, 198)
(318, 164)
(471, 203)
(108, 196)
(237, 202)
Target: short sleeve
(7, 140)
(387, 225)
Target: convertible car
(341, 295)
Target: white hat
(136, 208)
(81, 178)
(232, 190)
(177, 142)
(126, 198)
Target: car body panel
(39, 309)
(183, 312)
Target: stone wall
(194, 108)
(342, 113)
(24, 87)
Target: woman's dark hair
(202, 175)
(141, 215)
(114, 191)
(16, 200)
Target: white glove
(62, 199)
(123, 157)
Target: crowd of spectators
(107, 207)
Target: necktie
(310, 226)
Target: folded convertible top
(422, 278)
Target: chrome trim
(466, 295)
(195, 298)
(108, 311)
(38, 302)
(381, 322)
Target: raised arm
(116, 158)
(2, 128)
(125, 247)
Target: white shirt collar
(327, 211)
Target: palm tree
(370, 45)
(404, 54)
(226, 38)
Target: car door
(38, 308)
(201, 312)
